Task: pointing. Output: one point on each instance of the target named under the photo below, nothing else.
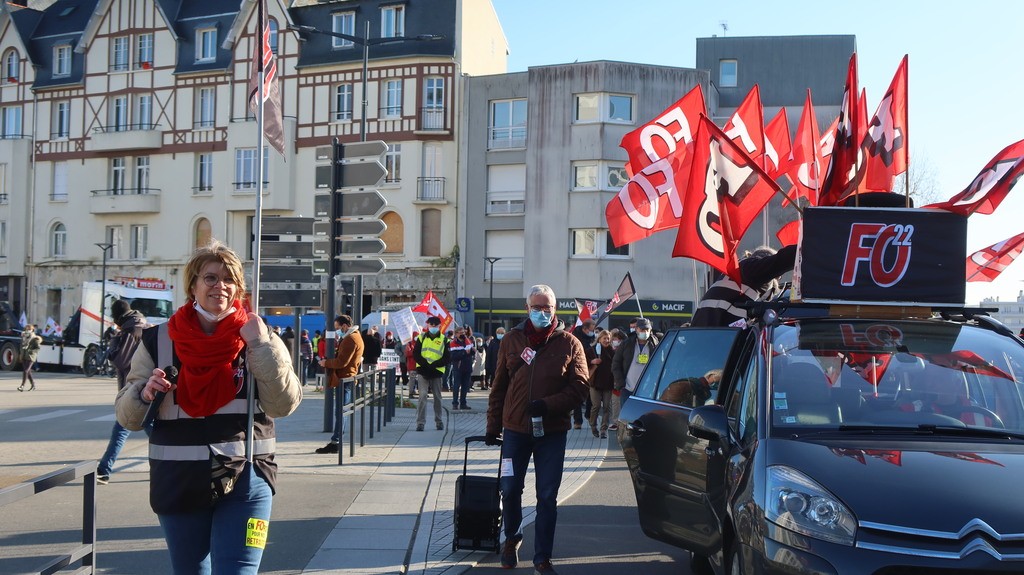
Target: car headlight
(800, 504)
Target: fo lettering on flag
(986, 264)
(432, 306)
(263, 61)
(989, 187)
(625, 291)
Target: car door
(668, 466)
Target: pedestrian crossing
(30, 415)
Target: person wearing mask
(462, 356)
(492, 356)
(130, 324)
(432, 358)
(601, 383)
(205, 493)
(372, 348)
(410, 364)
(585, 332)
(389, 341)
(541, 375)
(479, 360)
(619, 337)
(721, 304)
(632, 357)
(305, 354)
(403, 369)
(340, 370)
(31, 342)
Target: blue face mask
(540, 319)
(499, 336)
(434, 330)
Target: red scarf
(206, 381)
(538, 337)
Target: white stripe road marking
(108, 417)
(48, 415)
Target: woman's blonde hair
(215, 251)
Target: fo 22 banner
(875, 255)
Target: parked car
(873, 442)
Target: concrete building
(1010, 313)
(541, 160)
(125, 122)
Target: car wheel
(9, 356)
(700, 565)
(91, 363)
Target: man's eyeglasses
(545, 308)
(212, 279)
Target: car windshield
(153, 308)
(865, 374)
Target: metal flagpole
(257, 224)
(696, 287)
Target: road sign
(363, 149)
(287, 250)
(368, 204)
(369, 247)
(361, 175)
(287, 274)
(286, 226)
(321, 230)
(363, 266)
(360, 228)
(322, 248)
(321, 267)
(290, 298)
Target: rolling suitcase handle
(472, 439)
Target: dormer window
(206, 44)
(343, 23)
(392, 21)
(62, 61)
(10, 67)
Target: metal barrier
(372, 391)
(87, 552)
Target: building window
(206, 107)
(144, 51)
(615, 176)
(394, 236)
(58, 240)
(272, 24)
(592, 243)
(206, 44)
(142, 175)
(119, 114)
(60, 181)
(343, 23)
(113, 237)
(602, 107)
(119, 54)
(61, 119)
(508, 124)
(245, 168)
(433, 104)
(10, 67)
(430, 233)
(140, 242)
(393, 163)
(598, 175)
(62, 61)
(4, 198)
(392, 21)
(204, 233)
(584, 175)
(392, 98)
(12, 122)
(204, 173)
(506, 189)
(144, 112)
(117, 176)
(3, 238)
(343, 102)
(610, 251)
(727, 73)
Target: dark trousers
(548, 454)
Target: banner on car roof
(895, 256)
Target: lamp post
(490, 306)
(103, 290)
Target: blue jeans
(341, 423)
(118, 437)
(548, 456)
(214, 540)
(460, 387)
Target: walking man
(631, 358)
(341, 369)
(432, 358)
(540, 377)
(462, 356)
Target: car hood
(934, 485)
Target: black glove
(537, 408)
(492, 439)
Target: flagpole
(696, 288)
(906, 133)
(257, 227)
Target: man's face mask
(642, 334)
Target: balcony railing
(203, 124)
(432, 118)
(505, 138)
(143, 65)
(202, 189)
(125, 201)
(248, 186)
(61, 135)
(125, 192)
(118, 67)
(124, 128)
(4, 198)
(390, 112)
(12, 136)
(505, 203)
(430, 189)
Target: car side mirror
(709, 422)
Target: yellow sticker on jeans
(256, 533)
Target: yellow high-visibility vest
(432, 348)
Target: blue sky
(965, 87)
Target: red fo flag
(746, 126)
(672, 129)
(432, 306)
(841, 177)
(990, 186)
(805, 167)
(778, 148)
(727, 190)
(263, 61)
(789, 234)
(886, 141)
(986, 264)
(586, 308)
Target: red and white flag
(672, 129)
(586, 309)
(990, 186)
(789, 234)
(886, 141)
(625, 291)
(778, 148)
(805, 167)
(841, 177)
(727, 190)
(263, 61)
(432, 306)
(986, 264)
(746, 125)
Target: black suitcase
(477, 509)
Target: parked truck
(78, 344)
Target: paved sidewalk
(401, 521)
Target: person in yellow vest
(432, 357)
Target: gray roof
(62, 23)
(188, 16)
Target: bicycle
(97, 360)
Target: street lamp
(103, 290)
(366, 42)
(490, 307)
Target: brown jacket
(557, 374)
(347, 358)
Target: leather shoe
(329, 448)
